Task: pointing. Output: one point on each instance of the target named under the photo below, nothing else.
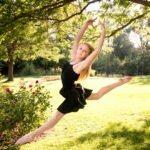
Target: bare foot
(25, 139)
(126, 79)
(32, 138)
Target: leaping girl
(83, 55)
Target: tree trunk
(10, 70)
(10, 50)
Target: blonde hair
(85, 73)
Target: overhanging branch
(128, 23)
(32, 14)
(63, 20)
(78, 13)
(120, 28)
(142, 2)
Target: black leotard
(74, 94)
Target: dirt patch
(50, 79)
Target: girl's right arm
(89, 60)
(79, 37)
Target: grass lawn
(120, 120)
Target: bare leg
(106, 89)
(49, 124)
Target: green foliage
(130, 66)
(22, 110)
(30, 29)
(122, 46)
(119, 13)
(146, 61)
(135, 64)
(62, 62)
(29, 69)
(125, 59)
(122, 2)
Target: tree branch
(78, 13)
(142, 2)
(130, 21)
(49, 8)
(122, 27)
(33, 13)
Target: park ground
(120, 120)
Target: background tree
(122, 46)
(20, 44)
(17, 28)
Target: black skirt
(74, 98)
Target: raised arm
(89, 60)
(79, 37)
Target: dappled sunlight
(116, 135)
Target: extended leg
(49, 124)
(106, 89)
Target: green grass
(118, 121)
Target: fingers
(129, 77)
(91, 21)
(126, 79)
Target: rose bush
(22, 110)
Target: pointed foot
(25, 139)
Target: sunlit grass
(118, 121)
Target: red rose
(37, 90)
(30, 86)
(33, 93)
(7, 89)
(37, 81)
(14, 102)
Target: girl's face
(83, 51)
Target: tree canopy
(29, 29)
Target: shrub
(21, 111)
(29, 69)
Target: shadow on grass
(115, 136)
(9, 148)
(143, 80)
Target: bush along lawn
(21, 110)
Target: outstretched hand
(102, 24)
(91, 21)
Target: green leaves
(22, 109)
